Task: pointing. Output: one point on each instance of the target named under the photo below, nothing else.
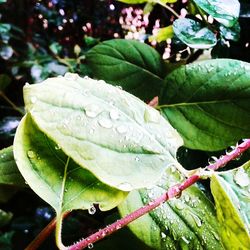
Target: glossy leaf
(208, 103)
(193, 34)
(188, 222)
(55, 177)
(231, 191)
(135, 66)
(121, 140)
(163, 34)
(9, 173)
(225, 12)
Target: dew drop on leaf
(92, 210)
(229, 150)
(151, 115)
(241, 178)
(163, 235)
(105, 123)
(212, 160)
(92, 111)
(71, 76)
(185, 239)
(122, 129)
(114, 114)
(31, 154)
(137, 159)
(196, 219)
(90, 246)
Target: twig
(172, 192)
(169, 9)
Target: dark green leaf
(225, 12)
(4, 218)
(188, 222)
(231, 191)
(56, 48)
(193, 34)
(4, 27)
(6, 241)
(208, 103)
(55, 177)
(104, 129)
(135, 66)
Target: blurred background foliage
(39, 39)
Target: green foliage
(225, 12)
(163, 34)
(193, 34)
(136, 67)
(230, 190)
(4, 218)
(4, 81)
(178, 224)
(208, 103)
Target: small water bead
(137, 159)
(31, 154)
(71, 76)
(90, 246)
(122, 129)
(92, 110)
(241, 178)
(196, 219)
(57, 147)
(185, 239)
(119, 87)
(92, 210)
(114, 114)
(230, 150)
(86, 78)
(212, 160)
(105, 123)
(163, 235)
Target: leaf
(188, 222)
(135, 66)
(208, 103)
(3, 1)
(5, 218)
(163, 34)
(231, 191)
(225, 12)
(144, 1)
(55, 177)
(193, 34)
(148, 8)
(9, 173)
(121, 140)
(8, 126)
(231, 33)
(4, 81)
(6, 240)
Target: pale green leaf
(163, 34)
(208, 103)
(135, 66)
(188, 222)
(55, 177)
(193, 34)
(225, 12)
(231, 192)
(121, 140)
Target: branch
(171, 193)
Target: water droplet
(71, 76)
(92, 110)
(114, 114)
(179, 205)
(92, 131)
(57, 147)
(151, 115)
(163, 235)
(33, 99)
(125, 186)
(105, 123)
(122, 129)
(186, 198)
(137, 159)
(92, 210)
(26, 231)
(185, 239)
(31, 154)
(119, 87)
(196, 219)
(229, 150)
(90, 246)
(212, 160)
(86, 78)
(241, 178)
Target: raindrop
(90, 246)
(92, 210)
(241, 178)
(31, 154)
(185, 239)
(114, 114)
(71, 76)
(212, 160)
(57, 147)
(196, 219)
(33, 99)
(92, 110)
(151, 115)
(122, 129)
(119, 87)
(86, 78)
(105, 123)
(186, 198)
(179, 205)
(163, 235)
(125, 186)
(229, 150)
(137, 159)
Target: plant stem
(44, 234)
(172, 192)
(169, 9)
(12, 104)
